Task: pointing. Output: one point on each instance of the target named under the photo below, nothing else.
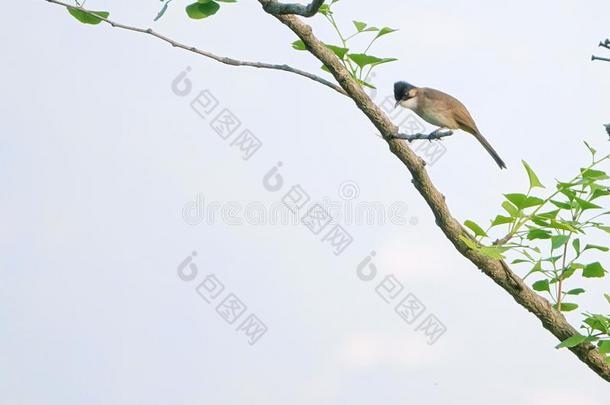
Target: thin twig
(436, 135)
(593, 57)
(221, 59)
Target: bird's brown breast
(443, 110)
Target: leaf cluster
(361, 63)
(550, 235)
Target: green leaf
(549, 214)
(607, 298)
(599, 192)
(363, 60)
(325, 9)
(384, 31)
(541, 285)
(365, 84)
(563, 226)
(558, 241)
(511, 209)
(566, 306)
(567, 273)
(199, 10)
(593, 151)
(593, 270)
(163, 10)
(469, 242)
(552, 259)
(585, 205)
(499, 220)
(517, 261)
(360, 26)
(87, 17)
(604, 346)
(522, 201)
(534, 181)
(603, 228)
(299, 45)
(598, 322)
(540, 221)
(593, 174)
(495, 252)
(538, 234)
(575, 291)
(576, 245)
(597, 247)
(478, 231)
(385, 60)
(337, 50)
(572, 341)
(561, 204)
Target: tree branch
(273, 7)
(221, 59)
(497, 270)
(593, 57)
(435, 135)
(602, 44)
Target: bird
(442, 110)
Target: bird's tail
(489, 149)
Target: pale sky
(100, 161)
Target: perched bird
(442, 110)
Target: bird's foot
(433, 136)
(438, 134)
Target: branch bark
(497, 270)
(221, 59)
(276, 8)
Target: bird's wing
(463, 118)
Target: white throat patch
(411, 103)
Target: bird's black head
(402, 90)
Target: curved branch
(273, 7)
(221, 59)
(497, 270)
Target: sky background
(99, 158)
